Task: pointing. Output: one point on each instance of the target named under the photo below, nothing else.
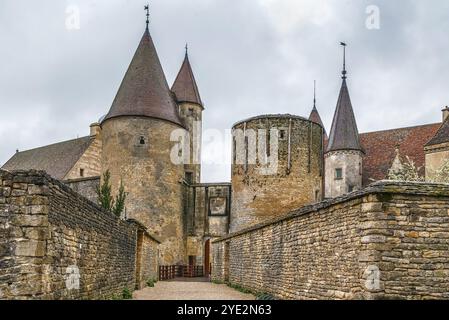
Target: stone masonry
(388, 241)
(49, 233)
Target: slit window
(81, 172)
(282, 134)
(142, 140)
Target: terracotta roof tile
(380, 149)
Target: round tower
(137, 150)
(277, 167)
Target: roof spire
(185, 87)
(147, 9)
(344, 72)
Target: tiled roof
(380, 149)
(56, 159)
(185, 87)
(144, 90)
(442, 135)
(344, 134)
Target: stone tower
(191, 110)
(343, 158)
(136, 149)
(272, 179)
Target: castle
(133, 142)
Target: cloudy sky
(250, 57)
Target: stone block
(30, 248)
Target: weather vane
(147, 9)
(344, 59)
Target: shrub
(127, 295)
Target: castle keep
(300, 199)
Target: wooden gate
(172, 272)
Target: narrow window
(189, 177)
(81, 172)
(338, 174)
(282, 134)
(190, 112)
(317, 195)
(142, 140)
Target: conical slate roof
(315, 117)
(144, 90)
(185, 87)
(344, 134)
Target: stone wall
(436, 157)
(350, 163)
(388, 241)
(87, 187)
(48, 233)
(89, 163)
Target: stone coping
(81, 179)
(39, 177)
(379, 187)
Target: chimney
(95, 129)
(445, 113)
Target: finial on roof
(314, 94)
(344, 60)
(187, 48)
(147, 9)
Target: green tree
(104, 192)
(120, 199)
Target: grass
(259, 295)
(151, 282)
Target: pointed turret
(144, 91)
(344, 155)
(315, 116)
(185, 87)
(344, 134)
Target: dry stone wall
(389, 241)
(51, 237)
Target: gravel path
(189, 290)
